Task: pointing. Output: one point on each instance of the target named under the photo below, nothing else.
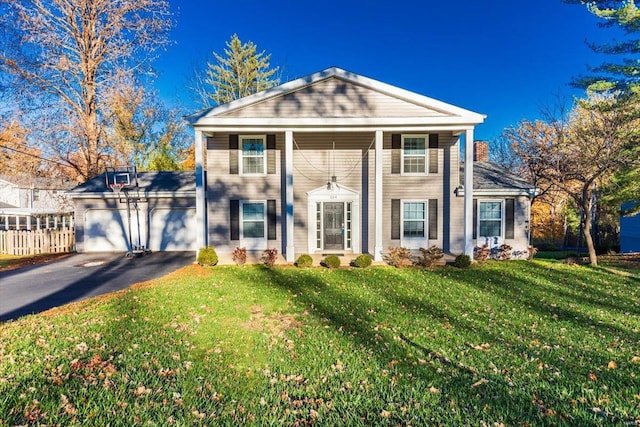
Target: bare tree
(69, 54)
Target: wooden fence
(23, 242)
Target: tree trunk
(586, 225)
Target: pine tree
(242, 71)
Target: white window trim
(241, 156)
(414, 242)
(253, 243)
(484, 239)
(426, 154)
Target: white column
(288, 142)
(377, 250)
(201, 205)
(468, 192)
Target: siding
(222, 186)
(334, 97)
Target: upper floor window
(36, 194)
(414, 154)
(253, 155)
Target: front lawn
(519, 343)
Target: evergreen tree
(240, 72)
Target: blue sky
(502, 58)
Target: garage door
(107, 230)
(173, 230)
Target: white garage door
(107, 230)
(173, 230)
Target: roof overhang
(107, 195)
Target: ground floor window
(490, 214)
(414, 217)
(253, 220)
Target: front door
(333, 226)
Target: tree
(598, 139)
(142, 131)
(242, 71)
(69, 54)
(623, 74)
(16, 156)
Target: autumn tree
(68, 54)
(142, 131)
(240, 72)
(16, 156)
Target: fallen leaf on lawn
(635, 359)
(593, 376)
(385, 414)
(479, 382)
(434, 390)
(612, 365)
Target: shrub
(462, 261)
(362, 261)
(504, 252)
(331, 261)
(481, 253)
(207, 257)
(532, 252)
(399, 257)
(239, 256)
(269, 257)
(304, 261)
(429, 257)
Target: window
(253, 220)
(414, 220)
(254, 159)
(36, 194)
(490, 219)
(414, 154)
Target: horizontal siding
(334, 97)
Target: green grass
(519, 343)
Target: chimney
(480, 151)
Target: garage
(161, 214)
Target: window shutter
(395, 219)
(271, 154)
(234, 215)
(433, 153)
(271, 220)
(233, 154)
(433, 218)
(475, 218)
(509, 205)
(396, 146)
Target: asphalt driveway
(43, 286)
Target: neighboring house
(34, 202)
(630, 228)
(336, 162)
(158, 213)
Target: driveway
(43, 286)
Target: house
(630, 228)
(34, 202)
(336, 162)
(154, 211)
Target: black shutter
(271, 220)
(395, 219)
(396, 146)
(271, 154)
(234, 214)
(433, 218)
(233, 154)
(475, 218)
(509, 205)
(433, 153)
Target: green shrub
(207, 257)
(269, 257)
(362, 261)
(462, 261)
(429, 257)
(304, 261)
(331, 261)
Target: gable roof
(285, 104)
(158, 183)
(492, 179)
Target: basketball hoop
(116, 187)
